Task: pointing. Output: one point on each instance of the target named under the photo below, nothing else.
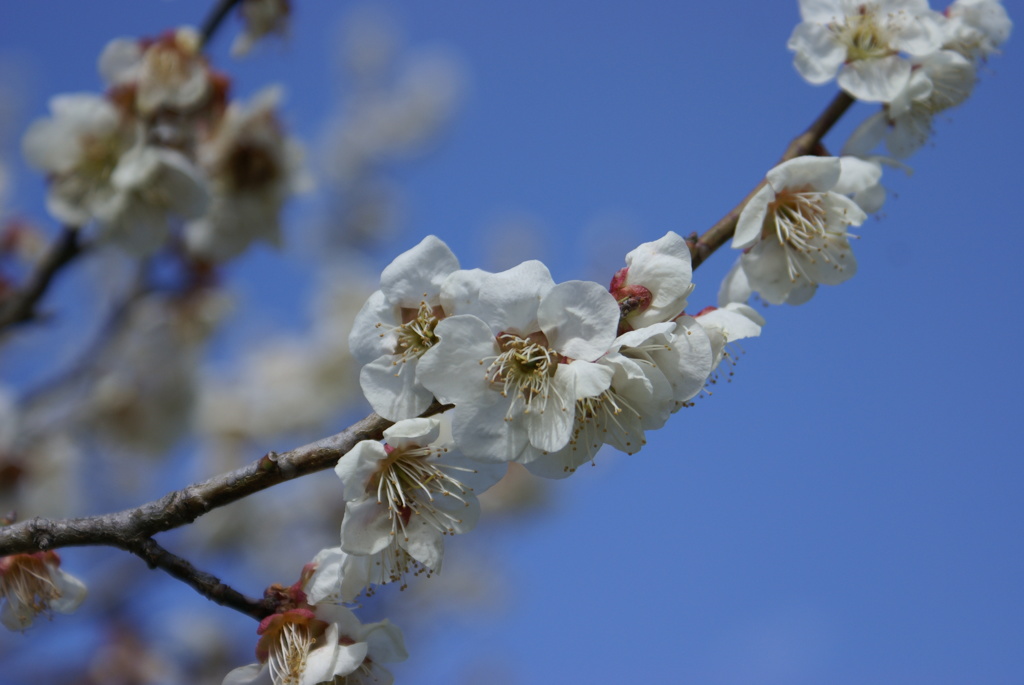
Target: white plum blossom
(728, 324)
(861, 180)
(517, 357)
(253, 167)
(654, 284)
(862, 41)
(78, 147)
(261, 17)
(976, 28)
(793, 233)
(151, 185)
(653, 371)
(33, 584)
(404, 496)
(395, 328)
(169, 72)
(384, 645)
(342, 577)
(939, 81)
(299, 647)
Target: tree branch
(21, 306)
(215, 18)
(125, 528)
(206, 584)
(803, 144)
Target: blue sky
(848, 509)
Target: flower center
(250, 166)
(862, 35)
(798, 220)
(100, 155)
(288, 654)
(410, 483)
(525, 368)
(416, 334)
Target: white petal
(818, 53)
(72, 592)
(551, 429)
(119, 59)
(857, 175)
(387, 644)
(579, 318)
(368, 341)
(392, 389)
(365, 528)
(875, 80)
(803, 173)
(751, 220)
(505, 301)
(590, 380)
(417, 275)
(357, 467)
(452, 369)
(253, 674)
(424, 543)
(735, 286)
(867, 136)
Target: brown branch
(207, 585)
(21, 306)
(215, 18)
(803, 144)
(181, 507)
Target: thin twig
(21, 306)
(206, 584)
(215, 18)
(117, 317)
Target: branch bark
(207, 585)
(126, 528)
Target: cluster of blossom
(164, 148)
(531, 371)
(917, 63)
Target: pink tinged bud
(631, 298)
(706, 310)
(619, 280)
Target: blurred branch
(21, 306)
(215, 18)
(804, 144)
(117, 317)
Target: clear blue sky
(849, 509)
